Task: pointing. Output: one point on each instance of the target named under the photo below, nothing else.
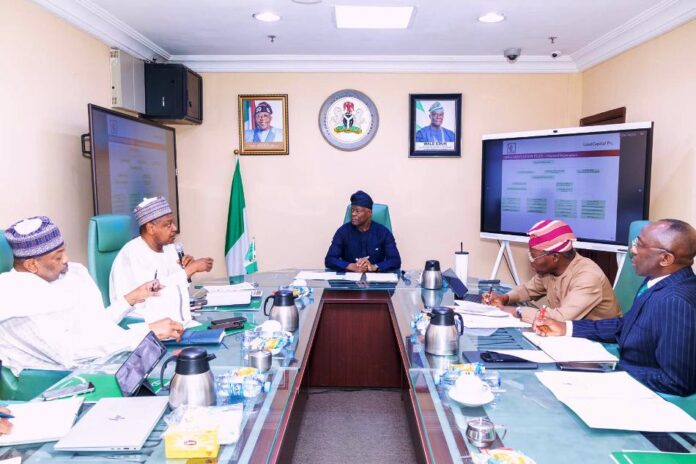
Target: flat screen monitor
(132, 159)
(596, 178)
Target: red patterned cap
(551, 235)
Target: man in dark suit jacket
(657, 338)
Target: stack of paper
(571, 349)
(229, 295)
(41, 421)
(470, 307)
(311, 275)
(387, 277)
(229, 288)
(472, 321)
(615, 400)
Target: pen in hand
(154, 283)
(6, 416)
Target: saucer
(471, 401)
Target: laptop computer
(115, 424)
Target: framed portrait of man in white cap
(435, 125)
(263, 125)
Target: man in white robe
(152, 255)
(52, 315)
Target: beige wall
(656, 81)
(50, 72)
(296, 202)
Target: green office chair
(380, 214)
(6, 258)
(29, 384)
(629, 282)
(106, 236)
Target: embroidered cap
(436, 108)
(33, 237)
(551, 235)
(150, 209)
(263, 107)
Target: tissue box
(184, 443)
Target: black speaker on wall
(173, 93)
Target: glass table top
(537, 424)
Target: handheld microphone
(180, 251)
(179, 247)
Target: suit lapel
(640, 301)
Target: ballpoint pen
(155, 281)
(6, 416)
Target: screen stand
(620, 259)
(145, 389)
(505, 247)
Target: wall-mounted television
(132, 159)
(595, 178)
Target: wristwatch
(518, 312)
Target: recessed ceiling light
(373, 17)
(266, 17)
(307, 2)
(491, 17)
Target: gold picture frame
(263, 125)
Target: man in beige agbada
(576, 288)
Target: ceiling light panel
(373, 17)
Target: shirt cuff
(569, 328)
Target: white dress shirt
(136, 264)
(57, 325)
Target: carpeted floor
(363, 426)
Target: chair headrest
(113, 231)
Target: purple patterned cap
(33, 237)
(150, 209)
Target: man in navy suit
(657, 338)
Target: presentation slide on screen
(572, 178)
(137, 163)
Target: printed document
(41, 421)
(472, 321)
(571, 349)
(615, 400)
(386, 277)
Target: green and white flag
(240, 252)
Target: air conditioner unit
(127, 82)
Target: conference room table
(359, 334)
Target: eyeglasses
(636, 244)
(532, 258)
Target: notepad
(195, 336)
(41, 421)
(652, 457)
(571, 349)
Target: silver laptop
(115, 424)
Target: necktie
(643, 288)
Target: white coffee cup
(471, 386)
(270, 327)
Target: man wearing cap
(657, 338)
(435, 132)
(52, 314)
(576, 288)
(362, 245)
(152, 255)
(263, 132)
